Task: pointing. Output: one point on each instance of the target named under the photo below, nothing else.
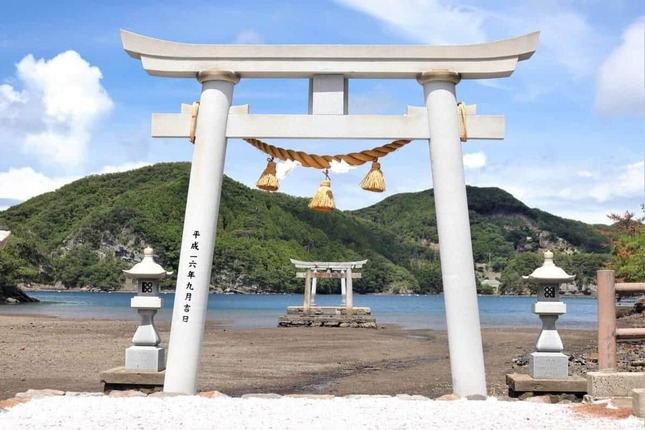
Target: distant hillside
(501, 224)
(86, 232)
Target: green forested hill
(86, 232)
(496, 217)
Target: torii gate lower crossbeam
(438, 69)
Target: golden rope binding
(461, 110)
(193, 121)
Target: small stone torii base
(344, 315)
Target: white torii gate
(328, 67)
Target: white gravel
(373, 413)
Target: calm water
(258, 311)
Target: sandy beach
(41, 352)
(68, 355)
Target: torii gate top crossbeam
(481, 61)
(332, 265)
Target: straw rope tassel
(374, 180)
(268, 180)
(323, 200)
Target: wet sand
(40, 352)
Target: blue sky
(73, 103)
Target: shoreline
(263, 311)
(211, 293)
(37, 352)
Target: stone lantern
(548, 361)
(145, 353)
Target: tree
(583, 265)
(522, 265)
(628, 246)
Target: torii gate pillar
(453, 227)
(198, 239)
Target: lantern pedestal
(548, 361)
(145, 358)
(145, 354)
(546, 365)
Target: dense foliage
(628, 247)
(85, 233)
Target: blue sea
(260, 311)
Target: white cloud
(122, 167)
(248, 37)
(340, 166)
(475, 160)
(53, 116)
(376, 100)
(538, 182)
(559, 188)
(620, 85)
(590, 215)
(283, 169)
(430, 21)
(568, 40)
(9, 99)
(628, 183)
(24, 183)
(64, 149)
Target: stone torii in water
(328, 67)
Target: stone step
(614, 384)
(356, 321)
(120, 378)
(521, 383)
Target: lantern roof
(549, 272)
(147, 268)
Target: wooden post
(306, 304)
(606, 320)
(350, 292)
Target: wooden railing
(607, 331)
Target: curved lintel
(333, 265)
(480, 61)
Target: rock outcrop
(11, 295)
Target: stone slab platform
(521, 383)
(120, 378)
(327, 310)
(638, 402)
(614, 384)
(357, 321)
